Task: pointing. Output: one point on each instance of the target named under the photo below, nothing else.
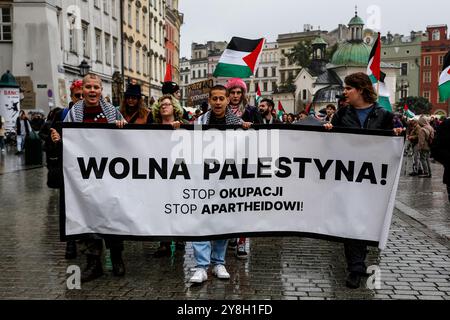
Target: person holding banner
(363, 112)
(167, 110)
(132, 107)
(93, 109)
(239, 106)
(207, 252)
(266, 107)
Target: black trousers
(355, 254)
(95, 246)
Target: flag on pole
(257, 95)
(408, 113)
(374, 66)
(377, 76)
(444, 80)
(168, 76)
(280, 111)
(240, 59)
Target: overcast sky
(219, 20)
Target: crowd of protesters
(226, 105)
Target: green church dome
(356, 21)
(351, 53)
(319, 40)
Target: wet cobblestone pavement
(415, 264)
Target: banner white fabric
(196, 183)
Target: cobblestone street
(415, 264)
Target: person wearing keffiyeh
(93, 109)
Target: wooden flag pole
(252, 84)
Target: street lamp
(84, 68)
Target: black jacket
(440, 149)
(379, 118)
(252, 114)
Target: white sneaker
(220, 272)
(199, 276)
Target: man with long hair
(361, 111)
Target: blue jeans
(207, 252)
(20, 142)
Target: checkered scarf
(76, 113)
(230, 118)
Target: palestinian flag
(374, 66)
(444, 80)
(383, 93)
(257, 95)
(240, 59)
(377, 76)
(408, 113)
(280, 111)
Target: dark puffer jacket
(379, 118)
(440, 149)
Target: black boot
(93, 269)
(71, 249)
(163, 250)
(353, 280)
(117, 263)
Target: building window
(441, 60)
(204, 73)
(108, 49)
(129, 14)
(265, 74)
(106, 6)
(274, 71)
(404, 69)
(138, 60)
(304, 94)
(265, 86)
(282, 62)
(144, 25)
(145, 63)
(72, 36)
(427, 77)
(426, 95)
(85, 38)
(5, 24)
(130, 56)
(436, 35)
(115, 55)
(98, 46)
(427, 61)
(274, 85)
(138, 21)
(113, 8)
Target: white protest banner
(201, 183)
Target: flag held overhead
(240, 59)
